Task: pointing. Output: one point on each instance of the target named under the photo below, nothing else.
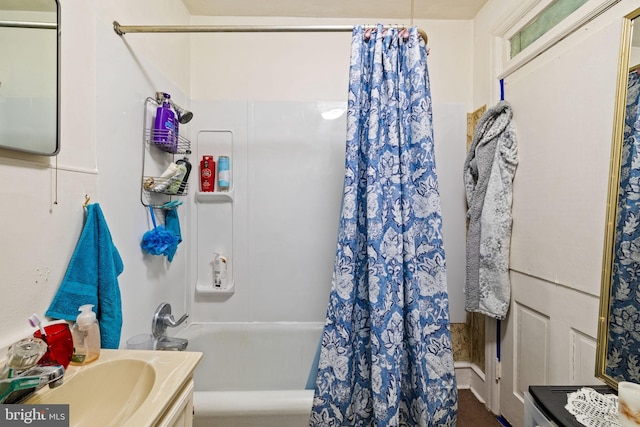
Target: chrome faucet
(22, 384)
(21, 376)
(163, 319)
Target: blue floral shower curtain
(624, 336)
(386, 357)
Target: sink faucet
(21, 375)
(22, 384)
(163, 319)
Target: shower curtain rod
(22, 24)
(123, 29)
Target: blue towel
(172, 224)
(92, 278)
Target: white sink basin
(121, 388)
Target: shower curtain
(624, 334)
(386, 357)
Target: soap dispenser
(86, 336)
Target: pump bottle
(165, 130)
(86, 337)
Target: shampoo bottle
(219, 271)
(165, 132)
(207, 173)
(175, 182)
(223, 173)
(86, 337)
(185, 161)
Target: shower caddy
(159, 156)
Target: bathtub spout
(171, 344)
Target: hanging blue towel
(172, 224)
(92, 278)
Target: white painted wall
(104, 83)
(128, 70)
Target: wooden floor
(472, 413)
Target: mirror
(29, 75)
(618, 347)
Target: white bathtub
(253, 374)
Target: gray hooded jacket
(488, 175)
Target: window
(548, 18)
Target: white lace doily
(593, 409)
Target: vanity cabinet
(179, 413)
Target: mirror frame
(58, 68)
(56, 148)
(612, 199)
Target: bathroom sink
(121, 388)
(107, 391)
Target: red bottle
(207, 173)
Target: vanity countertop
(126, 387)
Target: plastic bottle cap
(86, 316)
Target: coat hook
(86, 201)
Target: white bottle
(86, 337)
(219, 271)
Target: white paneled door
(563, 127)
(548, 339)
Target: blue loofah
(159, 240)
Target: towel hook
(86, 201)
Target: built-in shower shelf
(215, 196)
(210, 290)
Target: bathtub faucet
(163, 319)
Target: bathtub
(253, 374)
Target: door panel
(548, 339)
(531, 337)
(584, 355)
